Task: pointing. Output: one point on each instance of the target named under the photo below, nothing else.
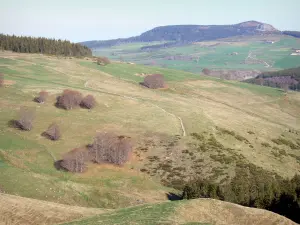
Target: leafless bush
(53, 132)
(43, 95)
(26, 118)
(88, 102)
(1, 80)
(1, 189)
(103, 61)
(69, 99)
(206, 71)
(110, 148)
(154, 81)
(75, 160)
(284, 86)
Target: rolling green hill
(238, 123)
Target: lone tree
(75, 160)
(53, 132)
(1, 80)
(103, 61)
(88, 102)
(154, 81)
(43, 95)
(69, 99)
(110, 148)
(26, 118)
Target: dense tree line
(43, 46)
(253, 187)
(279, 79)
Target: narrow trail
(243, 110)
(86, 84)
(139, 99)
(52, 156)
(251, 57)
(177, 117)
(263, 102)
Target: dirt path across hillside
(251, 57)
(138, 99)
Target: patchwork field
(199, 125)
(238, 53)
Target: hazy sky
(81, 20)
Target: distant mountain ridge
(190, 33)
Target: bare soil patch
(9, 82)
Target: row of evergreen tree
(25, 44)
(253, 187)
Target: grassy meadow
(159, 122)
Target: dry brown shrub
(75, 160)
(154, 81)
(26, 118)
(69, 99)
(206, 71)
(110, 148)
(43, 95)
(53, 132)
(88, 102)
(103, 61)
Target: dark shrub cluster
(110, 148)
(103, 61)
(69, 99)
(53, 132)
(282, 141)
(43, 95)
(154, 81)
(26, 118)
(88, 102)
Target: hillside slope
(26, 211)
(200, 211)
(191, 33)
(199, 126)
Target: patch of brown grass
(223, 213)
(18, 210)
(9, 82)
